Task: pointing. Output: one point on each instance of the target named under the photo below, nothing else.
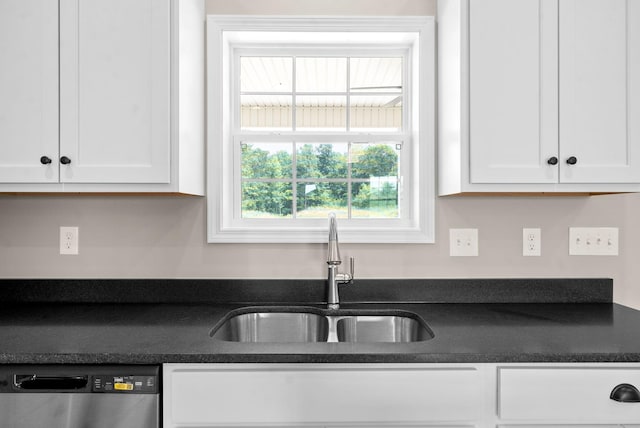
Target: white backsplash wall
(165, 237)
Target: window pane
(379, 113)
(326, 112)
(321, 74)
(376, 198)
(266, 200)
(321, 160)
(266, 160)
(374, 160)
(376, 75)
(265, 112)
(317, 200)
(266, 74)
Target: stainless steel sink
(382, 328)
(274, 327)
(306, 325)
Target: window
(312, 162)
(309, 116)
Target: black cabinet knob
(65, 160)
(552, 160)
(572, 160)
(45, 160)
(625, 393)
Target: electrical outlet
(463, 242)
(68, 240)
(531, 242)
(593, 241)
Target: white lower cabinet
(568, 426)
(321, 395)
(566, 394)
(559, 395)
(400, 395)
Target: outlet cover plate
(463, 242)
(593, 241)
(68, 240)
(531, 241)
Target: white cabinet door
(321, 395)
(513, 84)
(566, 394)
(114, 91)
(28, 91)
(565, 426)
(600, 90)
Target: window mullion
(237, 178)
(294, 180)
(348, 128)
(294, 110)
(348, 112)
(349, 180)
(294, 157)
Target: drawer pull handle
(625, 393)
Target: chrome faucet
(333, 261)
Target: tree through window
(310, 180)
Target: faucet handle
(346, 278)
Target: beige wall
(165, 237)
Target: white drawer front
(565, 426)
(322, 395)
(579, 395)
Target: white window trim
(221, 227)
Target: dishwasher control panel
(124, 384)
(79, 379)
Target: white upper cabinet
(600, 90)
(538, 95)
(129, 73)
(513, 83)
(28, 91)
(114, 87)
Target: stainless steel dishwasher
(76, 396)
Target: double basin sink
(308, 324)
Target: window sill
(320, 235)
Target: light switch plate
(593, 241)
(463, 242)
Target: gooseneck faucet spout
(333, 255)
(334, 278)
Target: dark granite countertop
(557, 321)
